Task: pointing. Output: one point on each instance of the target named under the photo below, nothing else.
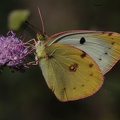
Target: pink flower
(12, 51)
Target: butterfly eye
(82, 40)
(40, 36)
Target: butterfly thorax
(41, 45)
(40, 50)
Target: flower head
(12, 51)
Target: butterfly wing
(69, 72)
(103, 47)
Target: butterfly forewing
(103, 47)
(69, 72)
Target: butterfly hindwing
(103, 47)
(69, 72)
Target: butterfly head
(42, 36)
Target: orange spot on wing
(91, 65)
(113, 43)
(83, 55)
(73, 67)
(110, 34)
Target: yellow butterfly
(73, 62)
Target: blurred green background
(25, 96)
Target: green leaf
(16, 19)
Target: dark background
(25, 96)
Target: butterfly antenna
(43, 28)
(35, 28)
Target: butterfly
(74, 62)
